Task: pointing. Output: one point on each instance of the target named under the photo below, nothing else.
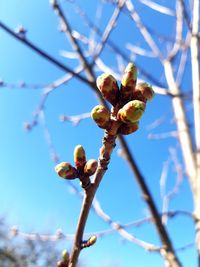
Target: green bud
(143, 92)
(66, 170)
(128, 82)
(79, 157)
(90, 167)
(101, 116)
(128, 128)
(108, 87)
(131, 112)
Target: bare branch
(158, 7)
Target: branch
(42, 53)
(182, 126)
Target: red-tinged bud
(128, 128)
(79, 157)
(131, 112)
(90, 167)
(101, 116)
(143, 92)
(107, 85)
(61, 264)
(128, 82)
(66, 170)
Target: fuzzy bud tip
(66, 170)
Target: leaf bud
(79, 157)
(66, 170)
(131, 112)
(90, 167)
(101, 116)
(128, 82)
(108, 87)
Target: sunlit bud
(128, 128)
(128, 82)
(143, 92)
(66, 170)
(107, 85)
(65, 255)
(89, 242)
(131, 112)
(79, 157)
(90, 167)
(101, 116)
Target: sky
(32, 196)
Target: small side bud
(90, 167)
(107, 85)
(91, 241)
(128, 128)
(65, 255)
(128, 82)
(143, 92)
(131, 112)
(79, 157)
(66, 170)
(101, 116)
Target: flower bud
(128, 82)
(143, 92)
(79, 157)
(107, 85)
(66, 170)
(90, 167)
(101, 116)
(128, 128)
(131, 112)
(65, 255)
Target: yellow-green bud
(131, 112)
(101, 116)
(65, 255)
(90, 167)
(143, 92)
(89, 242)
(128, 128)
(128, 82)
(79, 157)
(66, 170)
(108, 87)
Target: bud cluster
(83, 168)
(129, 100)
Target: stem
(105, 153)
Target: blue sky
(31, 194)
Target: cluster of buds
(129, 101)
(65, 259)
(82, 169)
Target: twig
(158, 8)
(42, 53)
(105, 153)
(144, 31)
